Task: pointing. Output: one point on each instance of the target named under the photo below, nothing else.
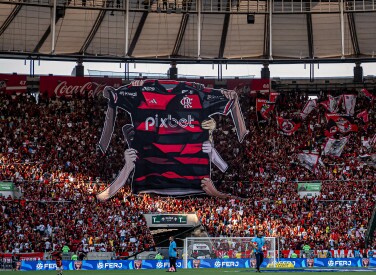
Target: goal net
(222, 252)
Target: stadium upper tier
(189, 30)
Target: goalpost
(226, 251)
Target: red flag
(339, 123)
(368, 95)
(263, 109)
(287, 126)
(273, 96)
(364, 116)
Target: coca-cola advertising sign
(69, 86)
(12, 83)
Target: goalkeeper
(258, 242)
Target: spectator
(159, 256)
(65, 249)
(51, 161)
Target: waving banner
(308, 108)
(363, 116)
(170, 146)
(368, 94)
(273, 97)
(264, 109)
(339, 124)
(334, 147)
(308, 161)
(348, 104)
(369, 142)
(332, 103)
(287, 126)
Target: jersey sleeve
(215, 102)
(126, 98)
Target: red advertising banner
(261, 85)
(238, 84)
(69, 86)
(13, 83)
(34, 256)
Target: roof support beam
(137, 33)
(59, 14)
(271, 6)
(266, 36)
(222, 46)
(310, 33)
(53, 26)
(198, 3)
(93, 31)
(342, 29)
(179, 38)
(126, 26)
(354, 36)
(10, 18)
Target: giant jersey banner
(200, 263)
(170, 145)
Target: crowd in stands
(49, 151)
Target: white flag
(334, 147)
(308, 108)
(308, 161)
(348, 104)
(334, 103)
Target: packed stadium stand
(48, 150)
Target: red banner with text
(33, 256)
(13, 83)
(260, 85)
(71, 86)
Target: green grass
(207, 271)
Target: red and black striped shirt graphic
(167, 117)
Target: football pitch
(206, 271)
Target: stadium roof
(165, 30)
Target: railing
(213, 6)
(133, 75)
